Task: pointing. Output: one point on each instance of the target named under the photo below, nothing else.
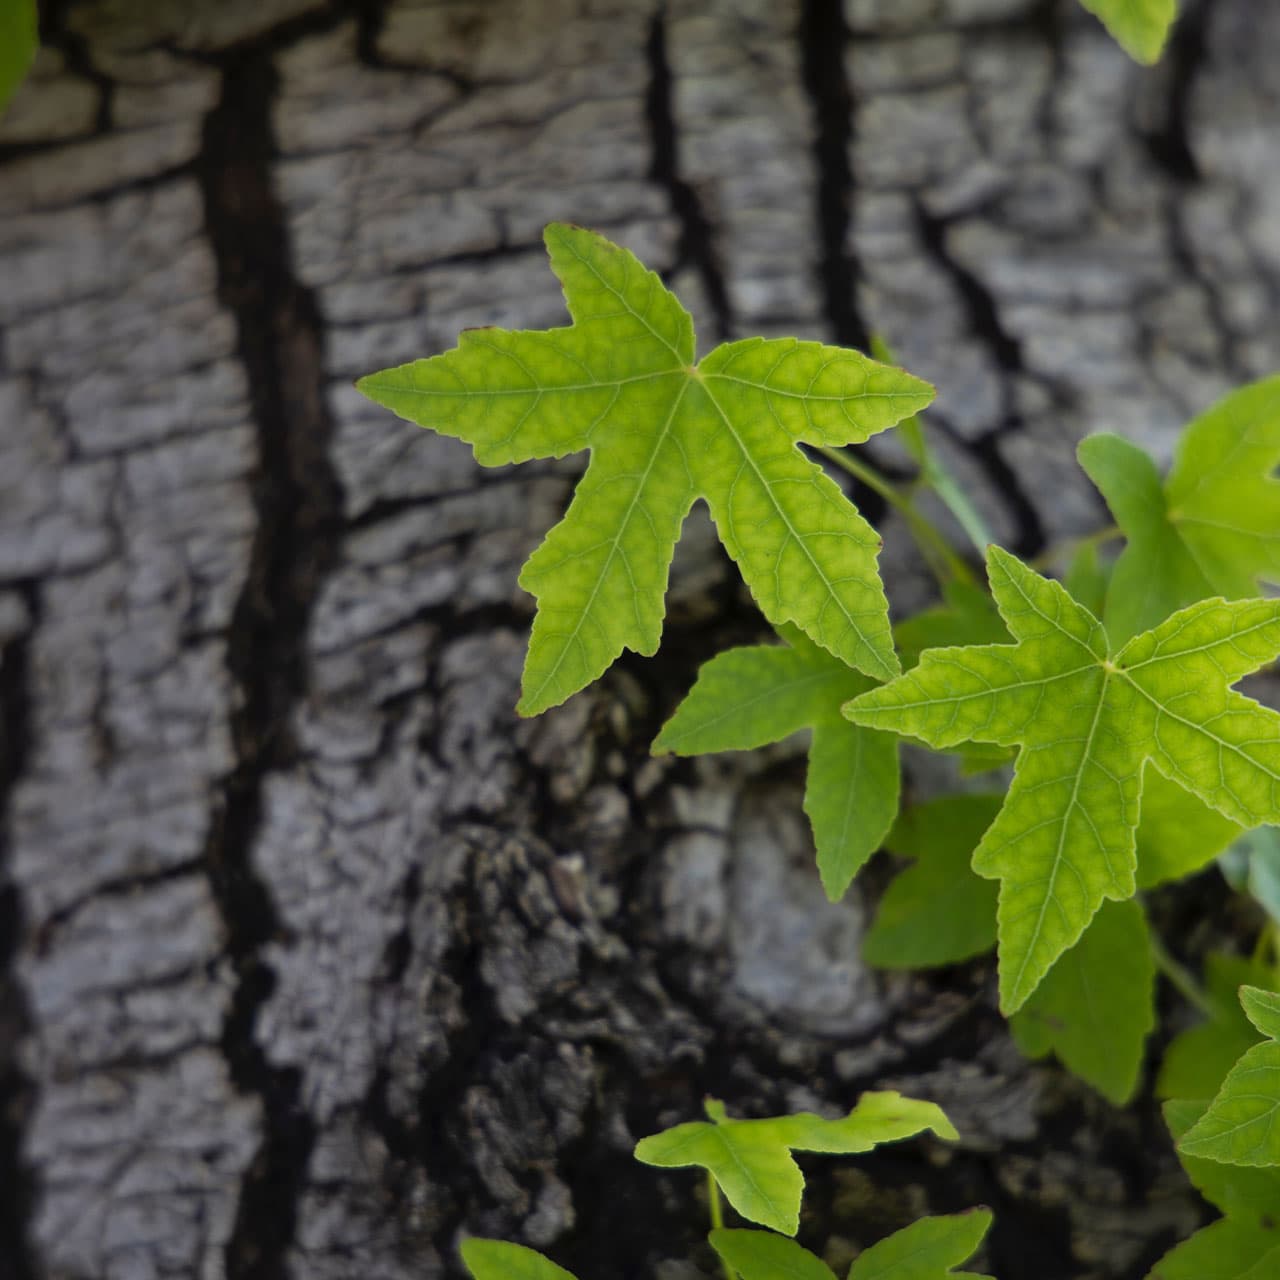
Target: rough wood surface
(311, 955)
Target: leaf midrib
(571, 637)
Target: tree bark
(312, 956)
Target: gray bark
(312, 956)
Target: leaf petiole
(717, 1218)
(943, 561)
(1181, 978)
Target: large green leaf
(1096, 1006)
(19, 40)
(936, 911)
(1198, 1059)
(1212, 528)
(662, 431)
(1242, 1123)
(1087, 719)
(498, 1260)
(751, 1159)
(748, 697)
(1140, 27)
(926, 1250)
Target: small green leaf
(498, 1260)
(751, 1159)
(936, 911)
(1242, 1124)
(19, 40)
(1198, 1059)
(748, 697)
(926, 1250)
(1224, 1250)
(1087, 719)
(1246, 1196)
(1262, 1008)
(1211, 529)
(1096, 1021)
(764, 1255)
(621, 382)
(1139, 27)
(1156, 573)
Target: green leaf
(1198, 1059)
(965, 616)
(1177, 833)
(19, 40)
(936, 911)
(926, 1250)
(1087, 720)
(498, 1260)
(1140, 27)
(1247, 1196)
(751, 696)
(1156, 573)
(1213, 528)
(764, 1255)
(1242, 1124)
(1096, 1006)
(751, 1159)
(1087, 579)
(1222, 1251)
(621, 382)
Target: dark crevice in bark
(696, 247)
(824, 39)
(979, 302)
(1169, 143)
(298, 503)
(1006, 351)
(17, 1093)
(1030, 539)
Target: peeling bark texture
(312, 956)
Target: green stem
(1181, 978)
(717, 1217)
(942, 560)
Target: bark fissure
(696, 248)
(824, 40)
(16, 1091)
(298, 504)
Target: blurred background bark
(313, 956)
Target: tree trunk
(313, 956)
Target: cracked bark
(316, 956)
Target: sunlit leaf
(1140, 27)
(1088, 718)
(498, 1260)
(926, 1250)
(751, 1159)
(662, 431)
